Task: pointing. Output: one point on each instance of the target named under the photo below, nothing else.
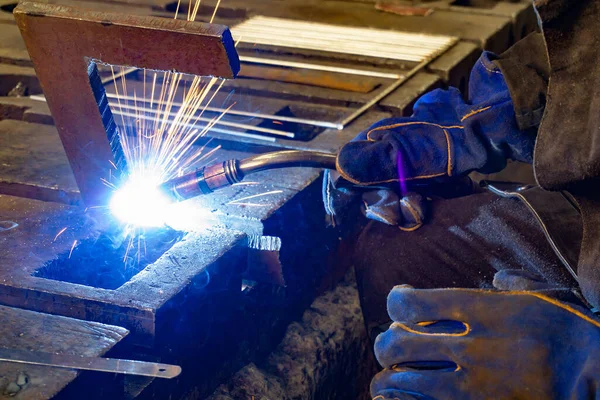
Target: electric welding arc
(217, 176)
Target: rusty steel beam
(65, 44)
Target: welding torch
(213, 177)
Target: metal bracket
(66, 43)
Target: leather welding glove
(481, 344)
(445, 138)
(377, 203)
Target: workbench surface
(33, 331)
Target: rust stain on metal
(403, 10)
(65, 44)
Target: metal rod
(303, 121)
(309, 41)
(203, 119)
(235, 133)
(377, 35)
(116, 366)
(213, 129)
(359, 41)
(312, 38)
(318, 67)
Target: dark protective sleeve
(526, 70)
(567, 150)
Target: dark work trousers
(464, 243)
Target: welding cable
(213, 177)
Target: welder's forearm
(526, 70)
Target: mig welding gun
(213, 177)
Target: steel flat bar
(308, 77)
(319, 67)
(112, 365)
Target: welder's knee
(465, 242)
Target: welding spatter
(213, 177)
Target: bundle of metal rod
(377, 43)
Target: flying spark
(158, 142)
(72, 248)
(160, 121)
(254, 196)
(60, 233)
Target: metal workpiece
(64, 41)
(220, 175)
(33, 163)
(51, 276)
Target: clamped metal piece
(66, 44)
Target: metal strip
(112, 365)
(319, 67)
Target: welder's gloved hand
(377, 203)
(488, 345)
(446, 137)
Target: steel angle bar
(78, 104)
(111, 365)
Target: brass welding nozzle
(203, 181)
(208, 179)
